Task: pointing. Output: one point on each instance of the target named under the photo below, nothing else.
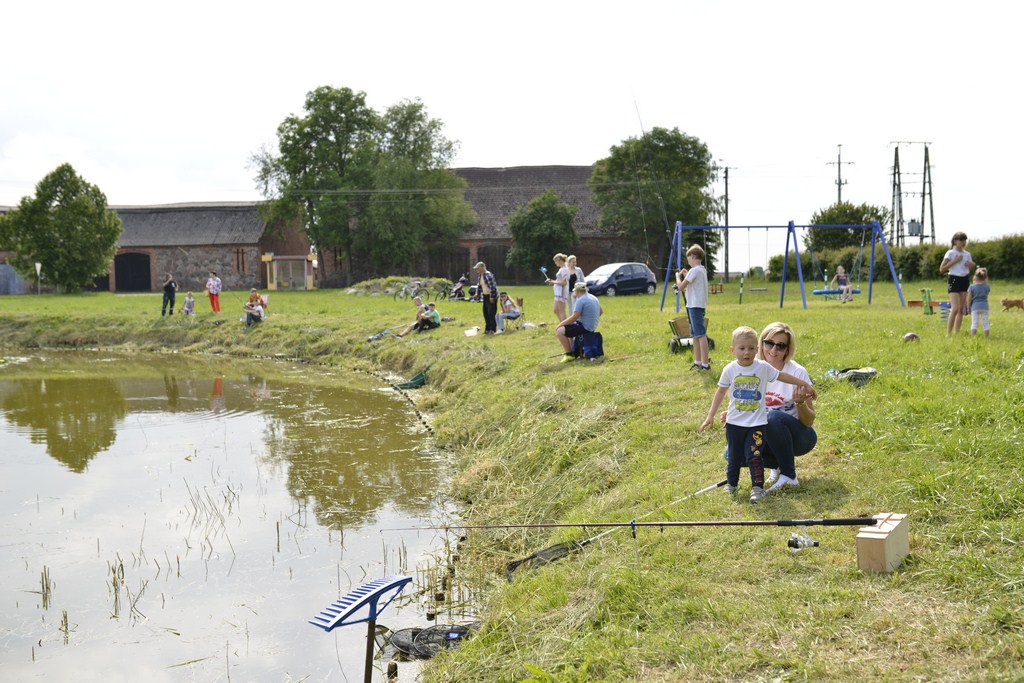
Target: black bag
(588, 345)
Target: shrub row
(1004, 258)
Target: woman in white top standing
(560, 287)
(958, 264)
(575, 275)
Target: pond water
(176, 519)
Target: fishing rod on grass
(797, 542)
(560, 550)
(633, 524)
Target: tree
(647, 184)
(323, 158)
(66, 227)
(368, 186)
(842, 213)
(417, 204)
(540, 228)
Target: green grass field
(937, 435)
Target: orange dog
(1013, 303)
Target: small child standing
(190, 305)
(746, 380)
(693, 283)
(977, 301)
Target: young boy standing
(693, 283)
(746, 380)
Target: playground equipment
(828, 292)
(877, 237)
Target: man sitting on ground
(585, 315)
(427, 318)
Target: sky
(164, 104)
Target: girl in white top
(958, 264)
(559, 286)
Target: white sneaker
(731, 490)
(772, 476)
(783, 480)
(756, 492)
(500, 332)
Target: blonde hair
(570, 257)
(981, 274)
(558, 257)
(770, 331)
(696, 250)
(743, 332)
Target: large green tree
(323, 158)
(416, 205)
(369, 187)
(842, 213)
(66, 227)
(646, 184)
(540, 228)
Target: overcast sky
(161, 104)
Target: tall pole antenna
(839, 171)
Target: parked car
(621, 278)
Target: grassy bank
(937, 435)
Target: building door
(132, 273)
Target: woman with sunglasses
(790, 431)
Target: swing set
(675, 258)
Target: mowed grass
(937, 435)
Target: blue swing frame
(877, 237)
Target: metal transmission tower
(839, 174)
(915, 227)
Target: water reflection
(75, 419)
(344, 451)
(218, 490)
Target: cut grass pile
(937, 435)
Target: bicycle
(444, 292)
(411, 289)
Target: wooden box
(680, 326)
(881, 548)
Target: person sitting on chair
(841, 281)
(507, 311)
(253, 311)
(586, 314)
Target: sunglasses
(781, 346)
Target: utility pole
(725, 276)
(839, 170)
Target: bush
(1004, 258)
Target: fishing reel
(800, 540)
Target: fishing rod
(633, 524)
(563, 549)
(654, 172)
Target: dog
(1013, 303)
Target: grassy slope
(937, 435)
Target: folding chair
(516, 323)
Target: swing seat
(833, 293)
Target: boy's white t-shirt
(747, 389)
(696, 292)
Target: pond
(170, 518)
